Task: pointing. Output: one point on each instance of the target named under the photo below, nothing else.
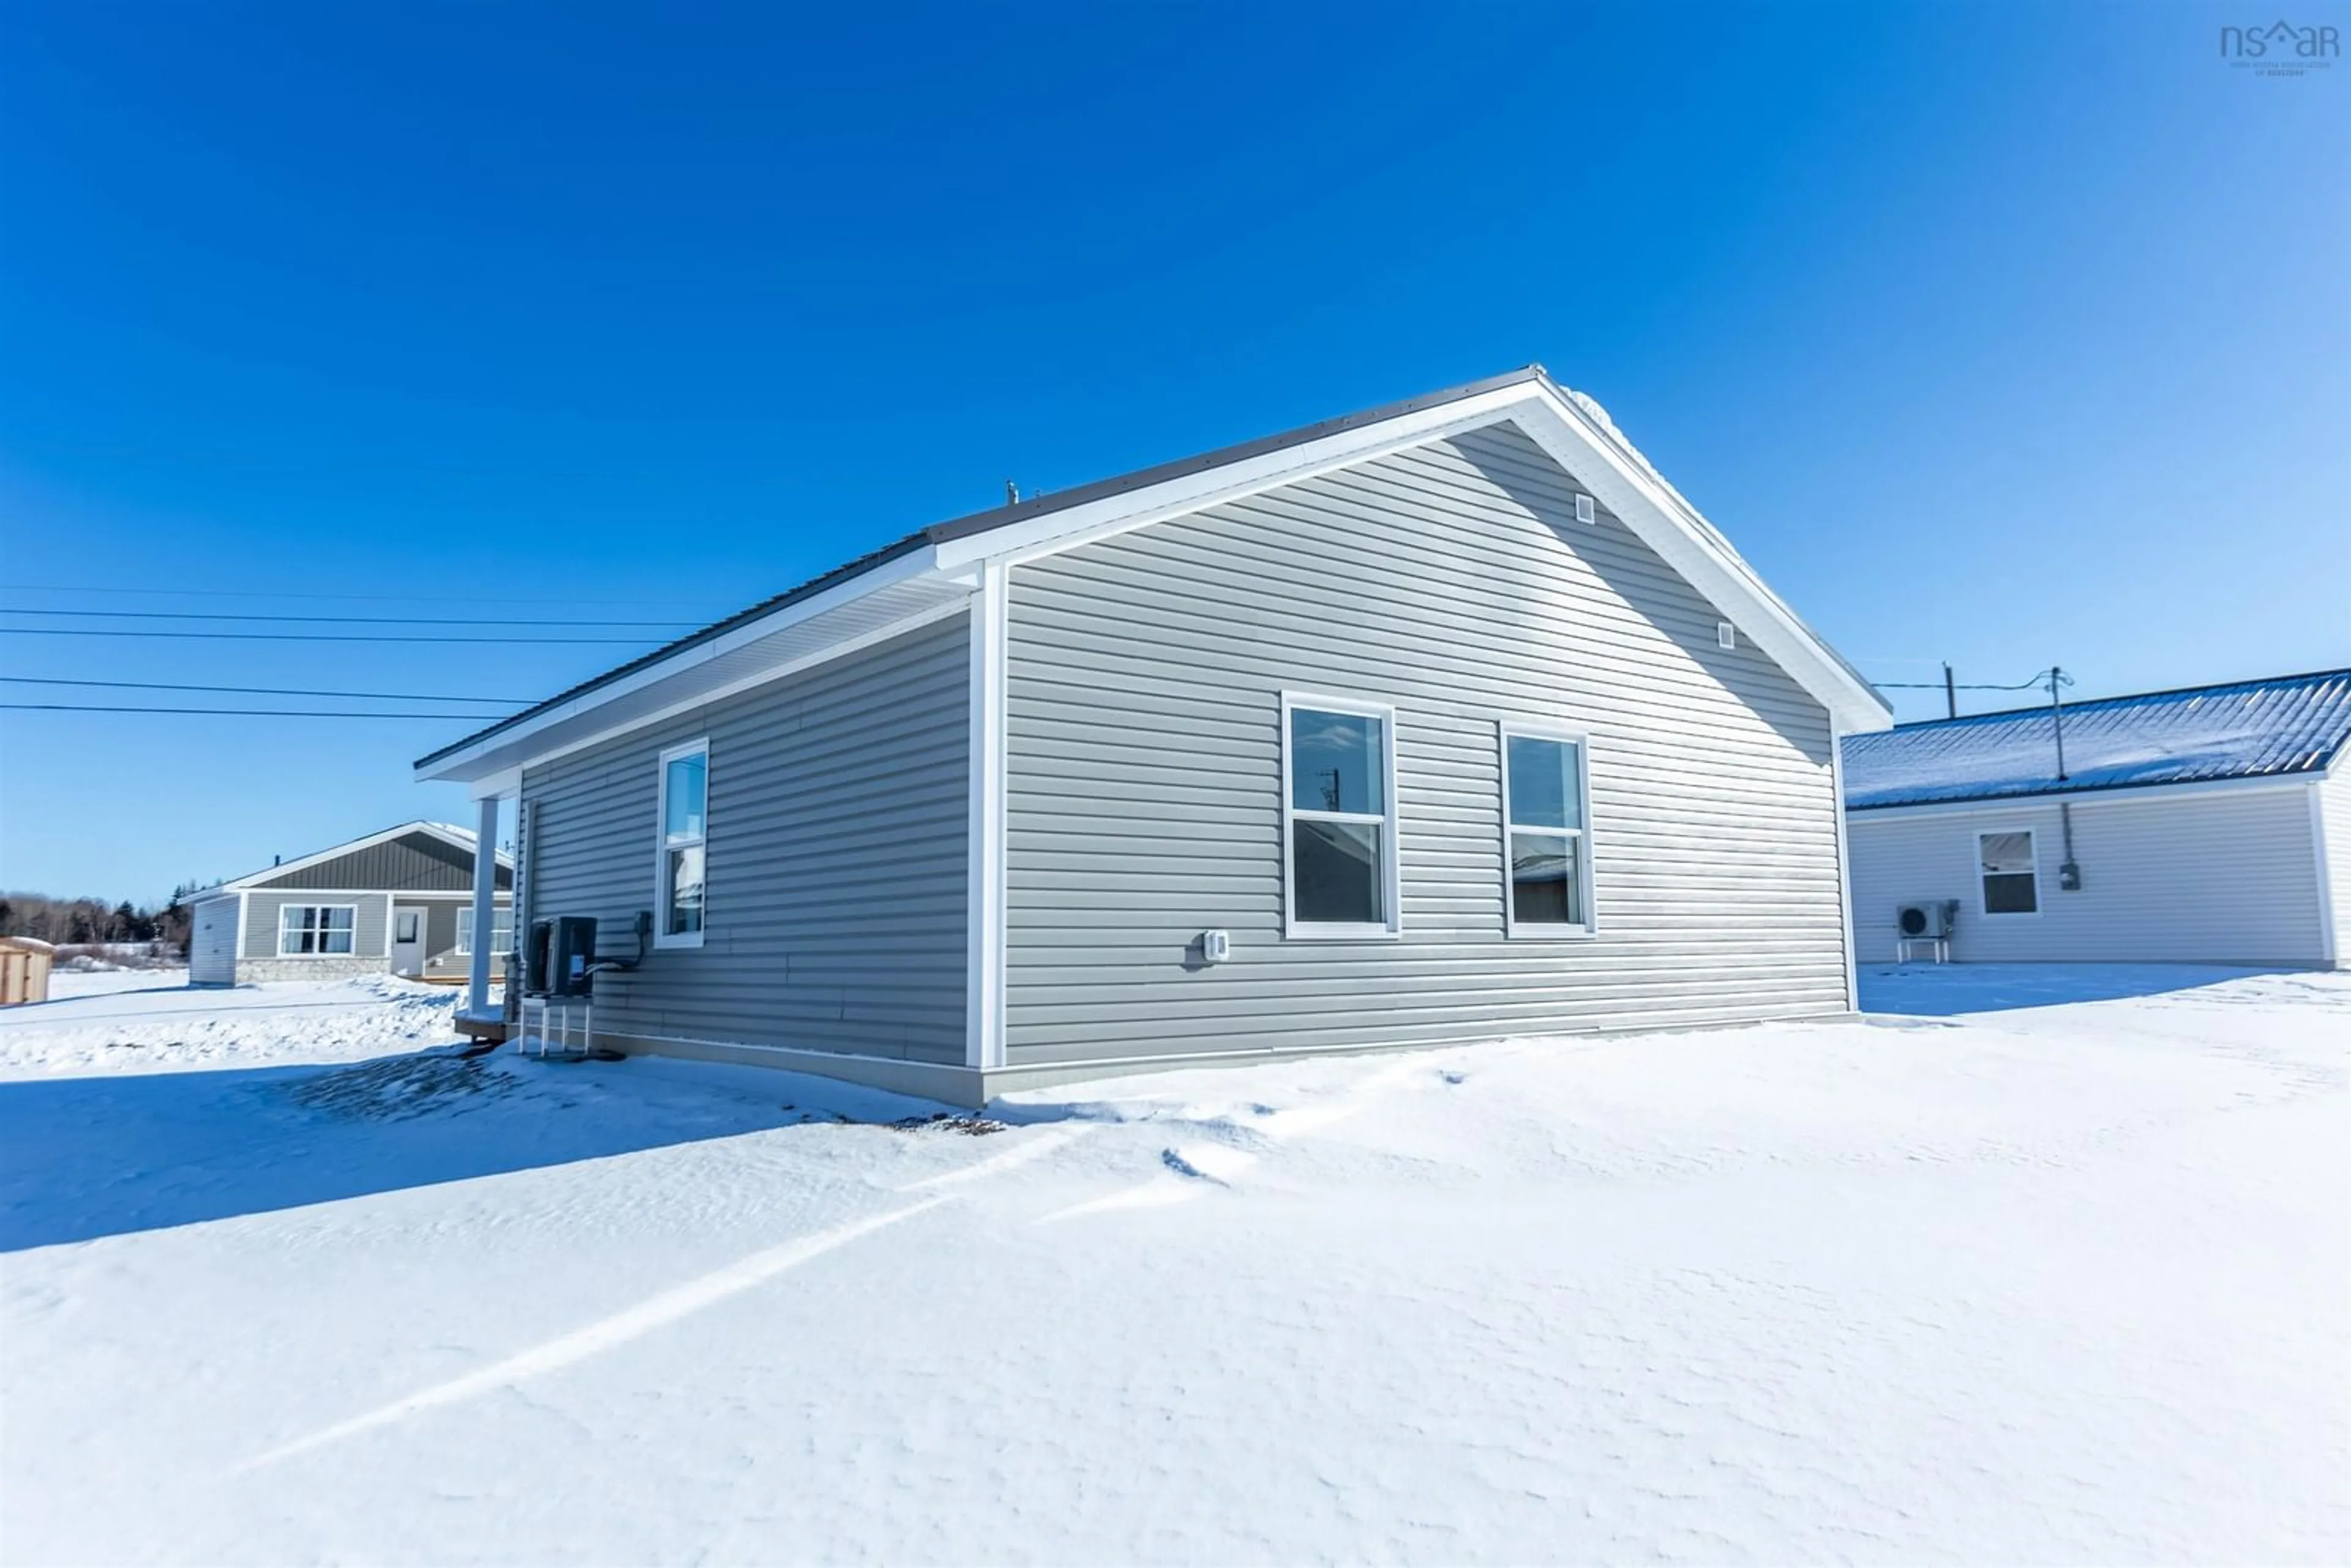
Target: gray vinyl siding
(2219, 877)
(211, 942)
(416, 863)
(441, 939)
(371, 923)
(1452, 582)
(442, 957)
(838, 805)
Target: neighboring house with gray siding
(2209, 825)
(394, 902)
(1440, 722)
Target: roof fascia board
(461, 766)
(767, 676)
(1590, 454)
(433, 830)
(1688, 544)
(2122, 794)
(1663, 522)
(397, 894)
(1061, 530)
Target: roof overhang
(1588, 447)
(456, 840)
(933, 573)
(2090, 795)
(881, 601)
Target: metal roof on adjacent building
(2246, 730)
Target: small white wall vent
(1585, 512)
(1726, 634)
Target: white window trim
(288, 908)
(1392, 898)
(465, 947)
(1543, 931)
(663, 937)
(2033, 839)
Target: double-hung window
(684, 814)
(1338, 850)
(501, 931)
(317, 930)
(2011, 877)
(1546, 839)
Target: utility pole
(2057, 715)
(1950, 693)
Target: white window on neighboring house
(1339, 818)
(317, 930)
(501, 931)
(2012, 876)
(681, 812)
(1546, 836)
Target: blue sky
(2005, 335)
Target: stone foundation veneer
(249, 970)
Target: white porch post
(486, 904)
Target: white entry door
(407, 940)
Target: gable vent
(1726, 634)
(1585, 512)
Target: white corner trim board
(985, 886)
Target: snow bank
(153, 1020)
(2059, 1283)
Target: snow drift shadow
(1945, 990)
(87, 1157)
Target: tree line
(79, 922)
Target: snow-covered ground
(150, 1021)
(2063, 1282)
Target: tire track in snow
(605, 1333)
(659, 1312)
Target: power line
(221, 456)
(2040, 680)
(267, 691)
(334, 620)
(1962, 686)
(238, 712)
(317, 637)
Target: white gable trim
(1057, 531)
(1594, 457)
(432, 830)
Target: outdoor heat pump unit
(1926, 922)
(560, 956)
